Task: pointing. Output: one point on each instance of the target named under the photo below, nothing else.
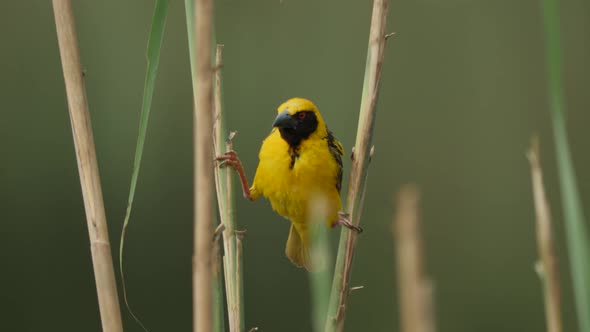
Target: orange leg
(230, 158)
(343, 220)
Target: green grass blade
(153, 59)
(189, 8)
(577, 233)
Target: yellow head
(299, 119)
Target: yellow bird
(299, 160)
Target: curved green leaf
(153, 59)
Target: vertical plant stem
(239, 279)
(360, 162)
(203, 152)
(321, 260)
(549, 269)
(225, 199)
(576, 230)
(100, 247)
(218, 308)
(415, 289)
(218, 314)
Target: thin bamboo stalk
(203, 152)
(104, 273)
(549, 268)
(360, 161)
(225, 199)
(415, 289)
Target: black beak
(284, 120)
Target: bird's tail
(298, 248)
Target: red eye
(301, 115)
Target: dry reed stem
(218, 307)
(220, 198)
(203, 152)
(360, 161)
(104, 274)
(545, 245)
(239, 300)
(233, 258)
(224, 188)
(415, 289)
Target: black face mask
(297, 127)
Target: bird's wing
(337, 151)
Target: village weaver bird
(298, 161)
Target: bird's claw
(229, 155)
(229, 158)
(226, 163)
(343, 214)
(343, 220)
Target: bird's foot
(230, 158)
(343, 220)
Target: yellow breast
(290, 179)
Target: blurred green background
(463, 89)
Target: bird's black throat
(294, 129)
